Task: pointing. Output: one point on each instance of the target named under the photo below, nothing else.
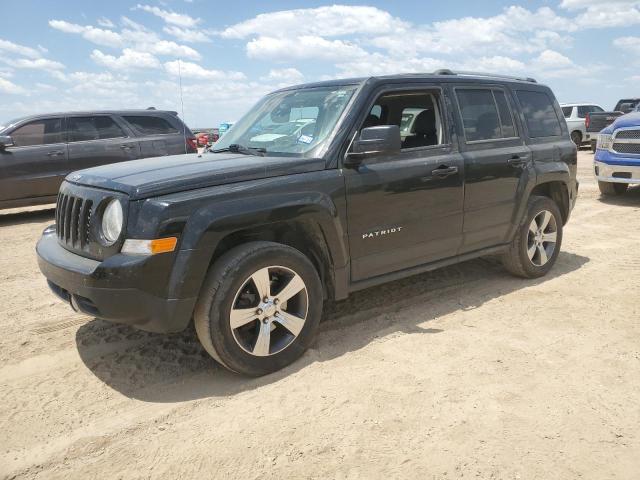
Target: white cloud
(599, 14)
(306, 47)
(284, 75)
(11, 88)
(193, 70)
(329, 21)
(99, 36)
(171, 17)
(130, 59)
(105, 22)
(165, 47)
(9, 47)
(37, 64)
(628, 44)
(191, 35)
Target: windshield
(290, 123)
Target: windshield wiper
(236, 148)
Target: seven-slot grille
(73, 220)
(627, 141)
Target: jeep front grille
(73, 220)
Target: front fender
(257, 205)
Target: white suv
(574, 114)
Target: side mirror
(380, 140)
(5, 142)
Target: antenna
(184, 124)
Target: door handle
(55, 153)
(517, 161)
(125, 147)
(444, 171)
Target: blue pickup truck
(617, 158)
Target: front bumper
(616, 168)
(115, 289)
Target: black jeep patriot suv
(318, 191)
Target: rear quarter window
(150, 125)
(539, 113)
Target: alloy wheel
(541, 239)
(269, 311)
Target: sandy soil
(463, 372)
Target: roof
(580, 104)
(440, 75)
(91, 112)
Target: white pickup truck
(575, 114)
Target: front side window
(39, 132)
(486, 114)
(417, 113)
(82, 129)
(539, 113)
(291, 122)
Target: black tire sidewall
(537, 205)
(222, 337)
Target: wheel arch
(558, 191)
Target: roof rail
(446, 71)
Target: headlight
(604, 141)
(112, 221)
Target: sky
(87, 55)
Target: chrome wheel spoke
(531, 251)
(242, 316)
(262, 281)
(549, 237)
(292, 288)
(543, 255)
(261, 348)
(291, 322)
(533, 227)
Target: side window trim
(491, 88)
(62, 132)
(435, 91)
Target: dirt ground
(463, 372)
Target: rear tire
(536, 245)
(259, 308)
(609, 189)
(576, 137)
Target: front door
(497, 165)
(99, 140)
(37, 163)
(405, 210)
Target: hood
(176, 173)
(629, 120)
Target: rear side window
(149, 125)
(566, 111)
(40, 132)
(486, 114)
(585, 109)
(82, 129)
(540, 114)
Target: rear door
(37, 164)
(496, 160)
(99, 140)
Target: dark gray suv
(38, 152)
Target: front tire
(259, 308)
(612, 188)
(536, 245)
